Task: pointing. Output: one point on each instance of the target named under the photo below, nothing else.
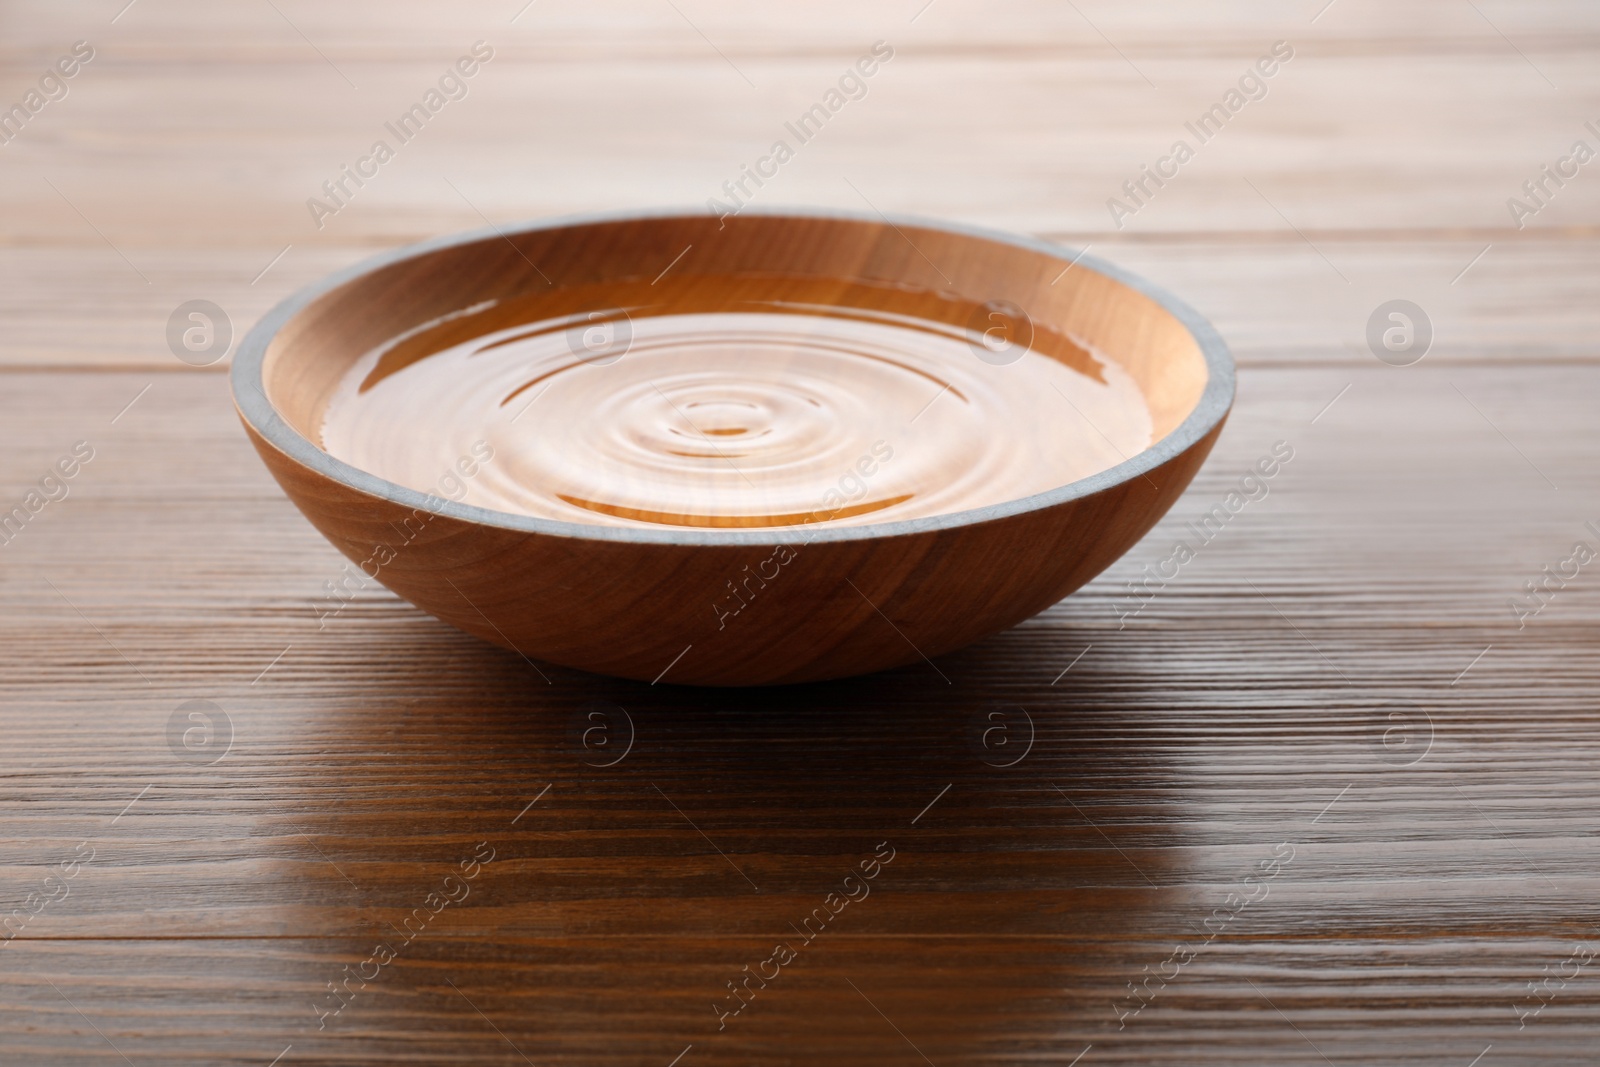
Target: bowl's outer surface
(745, 610)
(746, 614)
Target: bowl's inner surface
(783, 372)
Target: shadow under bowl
(654, 603)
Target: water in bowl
(736, 402)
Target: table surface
(1327, 797)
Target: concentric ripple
(769, 414)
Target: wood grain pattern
(1244, 708)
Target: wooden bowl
(642, 603)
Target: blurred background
(1391, 142)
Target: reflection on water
(701, 405)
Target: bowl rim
(250, 398)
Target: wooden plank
(196, 127)
(1274, 300)
(1339, 674)
(1245, 708)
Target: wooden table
(1328, 797)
